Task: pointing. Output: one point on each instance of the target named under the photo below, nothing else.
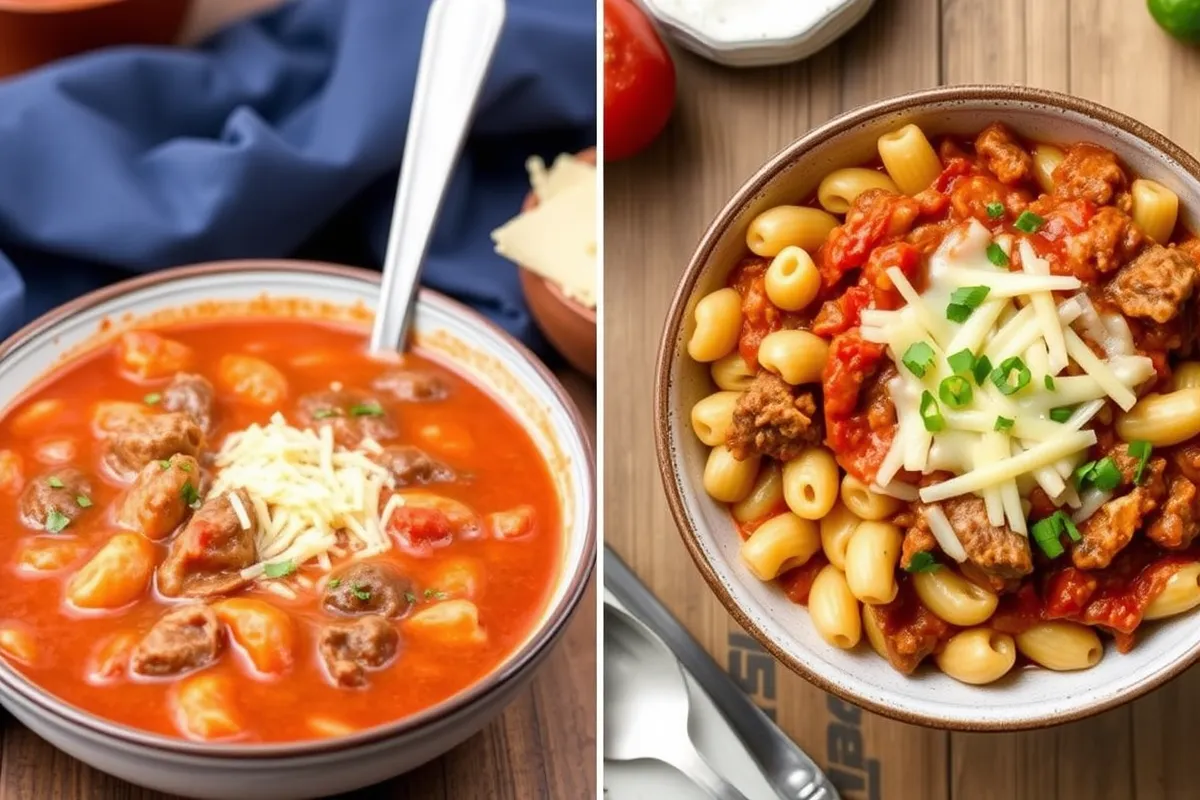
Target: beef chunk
(1003, 155)
(191, 395)
(1155, 284)
(412, 466)
(352, 415)
(1179, 520)
(152, 438)
(1092, 173)
(917, 538)
(999, 552)
(159, 498)
(1111, 528)
(771, 419)
(910, 630)
(1186, 459)
(1110, 239)
(184, 639)
(971, 196)
(350, 648)
(208, 555)
(1152, 475)
(411, 386)
(365, 588)
(53, 497)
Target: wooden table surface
(726, 124)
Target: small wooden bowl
(36, 32)
(570, 326)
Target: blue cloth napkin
(280, 136)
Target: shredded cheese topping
(304, 489)
(999, 444)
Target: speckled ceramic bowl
(1024, 698)
(447, 331)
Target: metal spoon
(646, 704)
(460, 38)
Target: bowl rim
(577, 578)
(667, 462)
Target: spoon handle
(460, 38)
(688, 760)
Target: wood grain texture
(656, 207)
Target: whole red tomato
(639, 81)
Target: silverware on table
(792, 774)
(460, 39)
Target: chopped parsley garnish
(996, 255)
(922, 562)
(930, 414)
(367, 410)
(326, 413)
(54, 482)
(962, 362)
(361, 591)
(280, 569)
(1061, 414)
(918, 358)
(152, 399)
(1141, 451)
(335, 582)
(83, 501)
(1003, 424)
(1105, 475)
(955, 391)
(56, 521)
(995, 210)
(964, 301)
(1011, 376)
(1049, 382)
(190, 495)
(982, 368)
(1029, 222)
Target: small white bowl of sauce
(756, 33)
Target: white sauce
(748, 20)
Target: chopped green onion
(1049, 381)
(930, 415)
(1029, 222)
(333, 584)
(918, 358)
(361, 591)
(411, 598)
(1082, 473)
(83, 501)
(1003, 424)
(165, 463)
(1105, 475)
(280, 569)
(1002, 375)
(185, 466)
(982, 368)
(962, 362)
(325, 413)
(922, 562)
(955, 391)
(995, 210)
(964, 301)
(56, 521)
(1061, 414)
(190, 495)
(367, 410)
(435, 594)
(152, 399)
(1046, 533)
(1140, 450)
(54, 482)
(996, 255)
(1072, 531)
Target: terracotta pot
(36, 32)
(570, 326)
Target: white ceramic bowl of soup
(445, 330)
(1023, 698)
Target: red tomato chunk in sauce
(137, 592)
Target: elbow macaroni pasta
(810, 483)
(783, 226)
(871, 558)
(1155, 209)
(841, 188)
(1061, 646)
(1162, 419)
(1046, 158)
(792, 281)
(836, 529)
(978, 656)
(796, 356)
(765, 498)
(732, 373)
(1187, 375)
(953, 598)
(712, 416)
(833, 609)
(909, 159)
(875, 637)
(718, 325)
(779, 544)
(865, 503)
(727, 479)
(1182, 593)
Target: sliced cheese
(981, 477)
